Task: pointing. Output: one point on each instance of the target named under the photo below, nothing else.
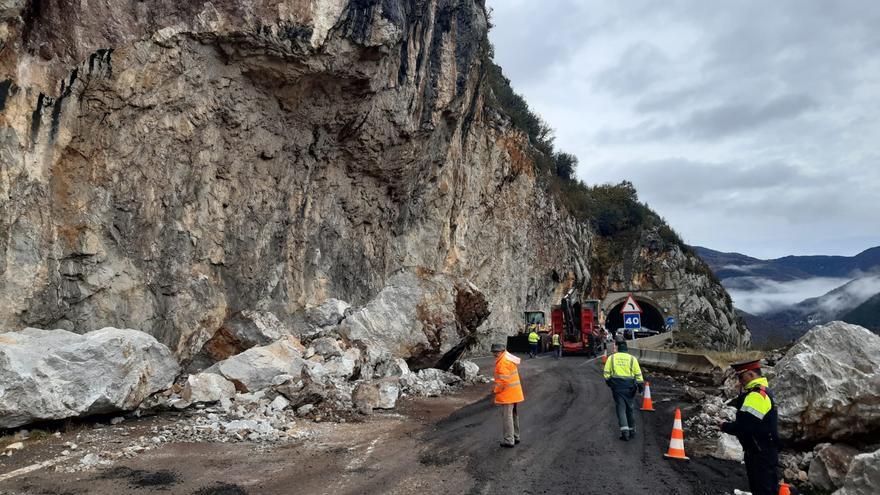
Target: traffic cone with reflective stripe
(647, 403)
(783, 489)
(676, 443)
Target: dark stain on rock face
(29, 16)
(37, 117)
(7, 88)
(65, 91)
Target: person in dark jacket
(624, 376)
(756, 428)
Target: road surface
(441, 445)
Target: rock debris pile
(826, 388)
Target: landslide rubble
(826, 387)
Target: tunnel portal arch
(652, 315)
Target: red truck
(577, 325)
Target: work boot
(506, 445)
(516, 441)
(632, 434)
(623, 436)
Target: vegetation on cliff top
(613, 210)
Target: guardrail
(685, 362)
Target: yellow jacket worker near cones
(508, 392)
(624, 376)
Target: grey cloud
(728, 118)
(721, 121)
(638, 68)
(757, 115)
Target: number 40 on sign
(632, 320)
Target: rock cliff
(167, 165)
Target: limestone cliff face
(166, 165)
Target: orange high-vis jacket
(508, 389)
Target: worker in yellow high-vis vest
(534, 338)
(624, 376)
(557, 346)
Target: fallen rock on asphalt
(379, 394)
(863, 477)
(56, 374)
(826, 386)
(466, 370)
(728, 448)
(830, 464)
(256, 368)
(429, 382)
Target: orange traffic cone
(647, 403)
(783, 489)
(676, 443)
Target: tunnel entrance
(652, 318)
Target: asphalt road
(445, 445)
(570, 441)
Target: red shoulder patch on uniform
(763, 391)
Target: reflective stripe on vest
(508, 389)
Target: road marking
(28, 469)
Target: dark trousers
(533, 349)
(624, 408)
(761, 470)
(557, 350)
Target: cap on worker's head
(498, 347)
(744, 366)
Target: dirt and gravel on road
(436, 445)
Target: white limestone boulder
(206, 388)
(863, 477)
(56, 374)
(256, 368)
(826, 386)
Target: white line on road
(28, 469)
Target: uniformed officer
(756, 428)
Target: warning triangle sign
(630, 306)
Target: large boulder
(207, 387)
(239, 333)
(863, 477)
(828, 383)
(830, 464)
(466, 370)
(56, 374)
(419, 316)
(256, 368)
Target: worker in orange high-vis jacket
(508, 392)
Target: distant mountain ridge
(866, 314)
(857, 301)
(732, 265)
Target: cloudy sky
(751, 126)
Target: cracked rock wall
(167, 165)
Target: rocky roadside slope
(826, 388)
(170, 167)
